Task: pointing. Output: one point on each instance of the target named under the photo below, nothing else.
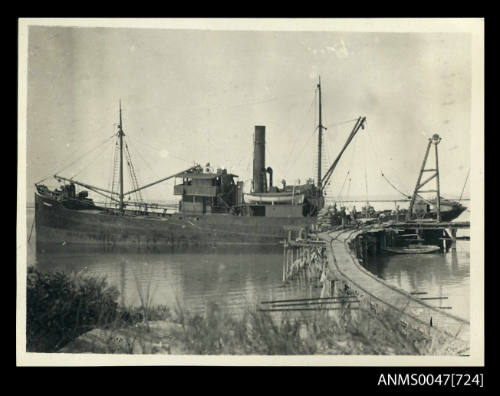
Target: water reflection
(438, 275)
(236, 278)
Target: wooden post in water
(454, 238)
(365, 248)
(284, 262)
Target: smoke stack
(270, 171)
(259, 160)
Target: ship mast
(320, 136)
(120, 136)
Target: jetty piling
(331, 257)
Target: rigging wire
(348, 189)
(77, 159)
(343, 184)
(393, 186)
(351, 163)
(300, 152)
(133, 175)
(463, 188)
(304, 119)
(200, 113)
(290, 165)
(136, 140)
(341, 123)
(325, 148)
(83, 167)
(374, 145)
(366, 177)
(113, 183)
(256, 102)
(328, 143)
(146, 162)
(375, 151)
(327, 157)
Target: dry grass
(61, 309)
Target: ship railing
(219, 209)
(143, 207)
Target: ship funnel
(259, 160)
(270, 171)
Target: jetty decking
(343, 264)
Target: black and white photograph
(250, 192)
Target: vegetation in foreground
(77, 313)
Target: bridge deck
(343, 262)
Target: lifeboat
(275, 198)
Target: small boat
(412, 249)
(280, 197)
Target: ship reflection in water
(233, 278)
(239, 278)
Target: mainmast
(120, 136)
(320, 136)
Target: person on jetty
(343, 216)
(336, 214)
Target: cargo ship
(213, 209)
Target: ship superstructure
(213, 208)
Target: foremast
(120, 137)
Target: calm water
(439, 275)
(234, 279)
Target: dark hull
(58, 225)
(446, 216)
(450, 215)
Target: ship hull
(57, 225)
(450, 213)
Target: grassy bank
(80, 314)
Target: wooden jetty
(336, 256)
(344, 265)
(448, 230)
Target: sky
(195, 96)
